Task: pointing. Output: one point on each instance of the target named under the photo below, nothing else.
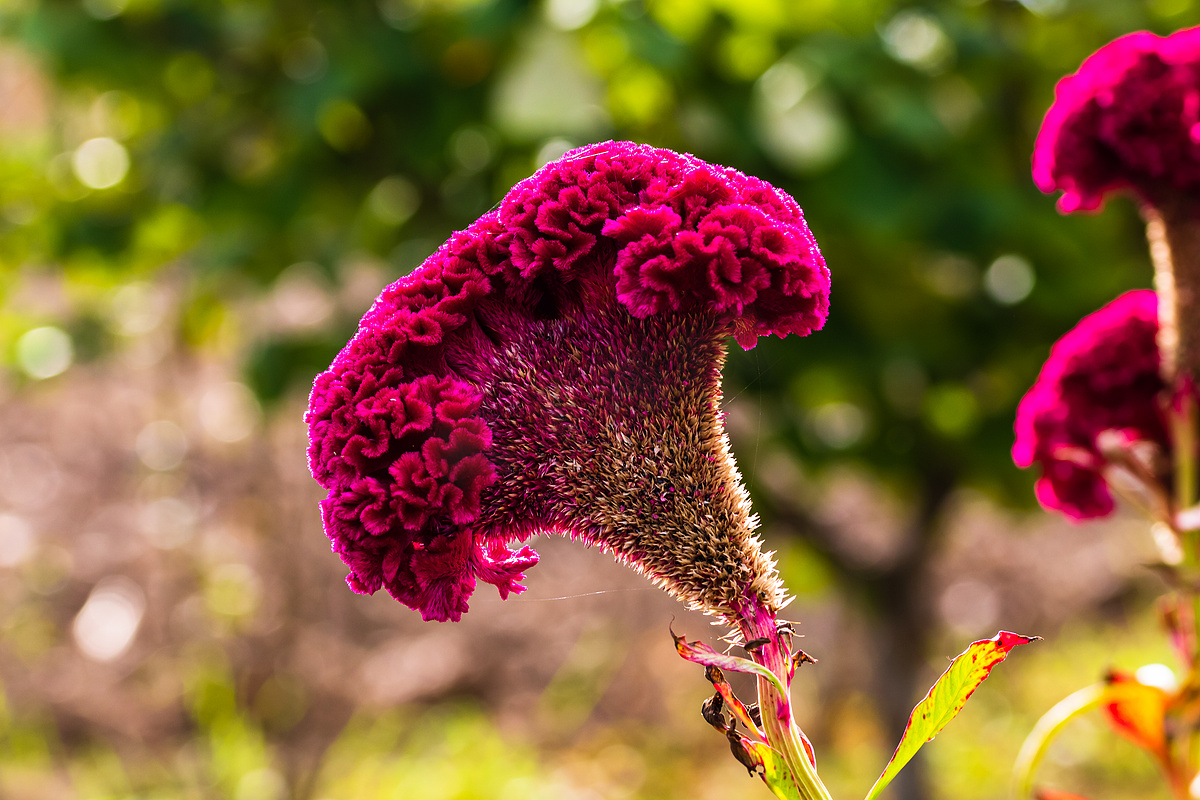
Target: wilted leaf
(700, 653)
(743, 750)
(947, 697)
(735, 706)
(713, 711)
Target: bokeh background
(199, 198)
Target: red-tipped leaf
(947, 697)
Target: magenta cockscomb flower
(555, 368)
(1100, 388)
(1129, 118)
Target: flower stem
(1182, 420)
(1173, 231)
(778, 723)
(1184, 445)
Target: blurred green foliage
(225, 142)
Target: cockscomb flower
(1098, 392)
(1114, 408)
(1128, 118)
(556, 368)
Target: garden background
(199, 198)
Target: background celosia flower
(1128, 118)
(555, 368)
(1103, 375)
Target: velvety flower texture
(1129, 118)
(1102, 376)
(555, 368)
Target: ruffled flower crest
(555, 368)
(1128, 118)
(1098, 396)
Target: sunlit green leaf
(947, 697)
(775, 772)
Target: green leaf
(947, 697)
(769, 764)
(700, 653)
(775, 772)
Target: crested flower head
(1129, 118)
(1101, 380)
(555, 368)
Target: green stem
(1182, 417)
(776, 708)
(784, 736)
(1183, 446)
(1048, 727)
(1182, 422)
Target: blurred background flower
(199, 200)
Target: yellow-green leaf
(775, 772)
(947, 697)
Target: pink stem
(755, 623)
